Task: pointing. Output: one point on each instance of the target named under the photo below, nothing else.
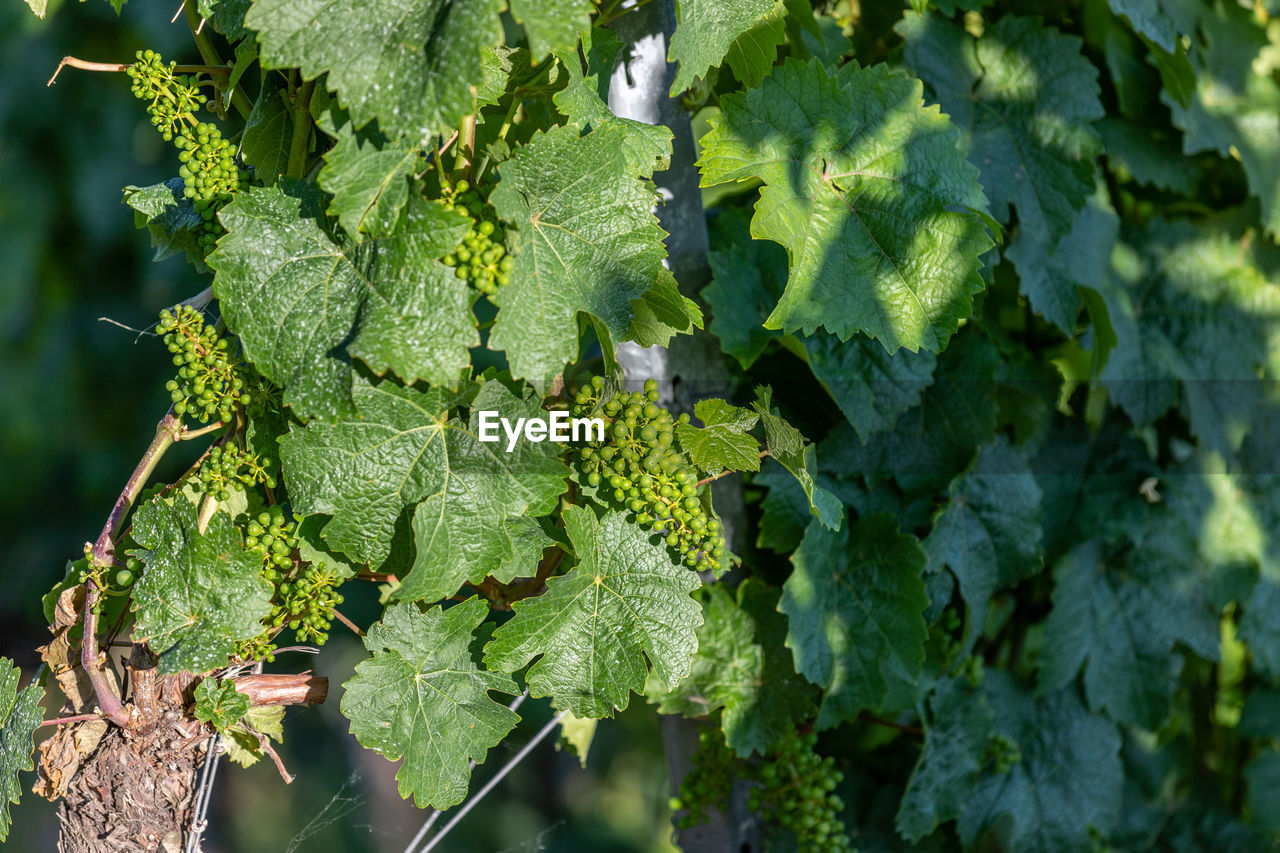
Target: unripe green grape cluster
(797, 793)
(275, 538)
(227, 469)
(209, 230)
(709, 780)
(108, 581)
(209, 383)
(209, 172)
(125, 575)
(1003, 754)
(638, 469)
(481, 258)
(305, 594)
(173, 98)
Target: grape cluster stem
(120, 67)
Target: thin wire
(475, 798)
(204, 795)
(204, 790)
(435, 813)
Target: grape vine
(965, 325)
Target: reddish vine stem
(188, 434)
(110, 704)
(78, 718)
(102, 553)
(167, 432)
(85, 65)
(356, 629)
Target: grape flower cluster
(637, 469)
(227, 469)
(481, 258)
(305, 593)
(209, 382)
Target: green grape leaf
(402, 449)
(313, 549)
(752, 54)
(268, 132)
(937, 439)
(411, 65)
(1052, 280)
(584, 100)
(784, 698)
(1234, 108)
(747, 279)
(297, 299)
(989, 533)
(241, 741)
(528, 542)
(1161, 21)
(1260, 716)
(553, 25)
(724, 440)
(199, 594)
(709, 29)
(1260, 627)
(592, 629)
(871, 387)
(743, 666)
(422, 698)
(585, 240)
(472, 526)
(861, 185)
(20, 715)
(960, 728)
(856, 604)
(369, 182)
(1068, 780)
(784, 512)
(1262, 775)
(1192, 321)
(726, 670)
(787, 445)
(578, 735)
(1120, 623)
(1026, 100)
(226, 16)
(170, 219)
(1146, 154)
(219, 703)
(662, 313)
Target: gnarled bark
(134, 788)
